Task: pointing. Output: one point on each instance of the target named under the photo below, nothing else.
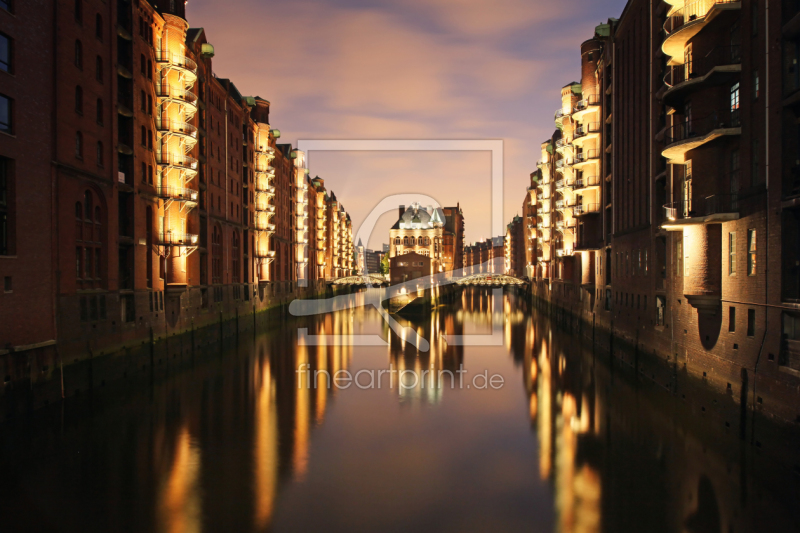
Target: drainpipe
(766, 181)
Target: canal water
(535, 431)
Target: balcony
(183, 64)
(712, 209)
(176, 127)
(263, 205)
(688, 135)
(586, 131)
(177, 95)
(263, 186)
(561, 144)
(588, 104)
(586, 209)
(561, 164)
(265, 254)
(182, 162)
(263, 225)
(560, 113)
(178, 194)
(175, 238)
(586, 182)
(586, 157)
(721, 65)
(564, 252)
(685, 23)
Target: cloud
(407, 69)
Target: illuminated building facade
(514, 252)
(340, 250)
(420, 230)
(667, 197)
(155, 199)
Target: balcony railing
(562, 143)
(165, 90)
(692, 12)
(176, 126)
(715, 204)
(560, 113)
(700, 66)
(176, 60)
(180, 194)
(585, 129)
(176, 160)
(587, 155)
(175, 238)
(587, 181)
(561, 163)
(590, 101)
(701, 126)
(586, 209)
(265, 254)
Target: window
(143, 136)
(98, 26)
(751, 322)
(99, 154)
(646, 264)
(751, 252)
(98, 69)
(79, 145)
(732, 253)
(7, 5)
(6, 110)
(5, 207)
(756, 85)
(79, 10)
(731, 319)
(79, 100)
(735, 104)
(685, 256)
(679, 257)
(5, 53)
(100, 111)
(79, 54)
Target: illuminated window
(751, 252)
(732, 253)
(679, 257)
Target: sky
(408, 69)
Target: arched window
(79, 54)
(412, 241)
(405, 241)
(100, 111)
(397, 241)
(79, 145)
(98, 26)
(79, 10)
(79, 99)
(99, 153)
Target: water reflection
(237, 440)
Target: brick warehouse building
(667, 203)
(163, 203)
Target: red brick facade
(691, 259)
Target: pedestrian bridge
(370, 279)
(491, 280)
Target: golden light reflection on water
(180, 503)
(266, 448)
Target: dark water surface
(235, 440)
